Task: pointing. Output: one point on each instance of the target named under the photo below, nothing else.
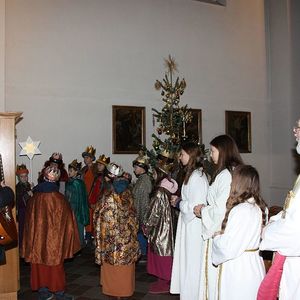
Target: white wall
(284, 93)
(68, 61)
(2, 55)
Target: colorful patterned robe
(116, 230)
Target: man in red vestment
(50, 237)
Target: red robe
(50, 231)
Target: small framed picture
(238, 126)
(194, 128)
(128, 129)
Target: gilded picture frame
(128, 129)
(194, 128)
(238, 126)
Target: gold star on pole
(30, 148)
(171, 64)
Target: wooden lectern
(9, 273)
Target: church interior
(65, 65)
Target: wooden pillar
(9, 273)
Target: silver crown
(114, 169)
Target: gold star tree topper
(30, 148)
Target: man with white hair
(282, 235)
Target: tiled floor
(83, 281)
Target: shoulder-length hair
(195, 159)
(229, 156)
(244, 185)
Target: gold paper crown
(168, 154)
(21, 169)
(89, 151)
(165, 167)
(142, 160)
(75, 165)
(52, 174)
(103, 160)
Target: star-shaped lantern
(30, 148)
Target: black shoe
(143, 259)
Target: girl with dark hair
(236, 247)
(225, 156)
(159, 230)
(187, 267)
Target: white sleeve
(242, 227)
(298, 147)
(213, 214)
(197, 193)
(283, 235)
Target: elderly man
(282, 235)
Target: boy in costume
(77, 196)
(98, 184)
(117, 248)
(23, 193)
(56, 161)
(141, 195)
(50, 237)
(88, 174)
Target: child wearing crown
(117, 248)
(98, 184)
(88, 174)
(77, 196)
(159, 229)
(50, 237)
(56, 161)
(23, 193)
(141, 195)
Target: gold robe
(159, 224)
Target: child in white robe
(225, 156)
(236, 247)
(187, 261)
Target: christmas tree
(172, 119)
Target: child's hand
(296, 131)
(174, 200)
(144, 229)
(3, 183)
(197, 210)
(217, 233)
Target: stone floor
(83, 281)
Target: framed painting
(217, 2)
(194, 128)
(128, 129)
(238, 126)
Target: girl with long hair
(187, 267)
(236, 247)
(225, 156)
